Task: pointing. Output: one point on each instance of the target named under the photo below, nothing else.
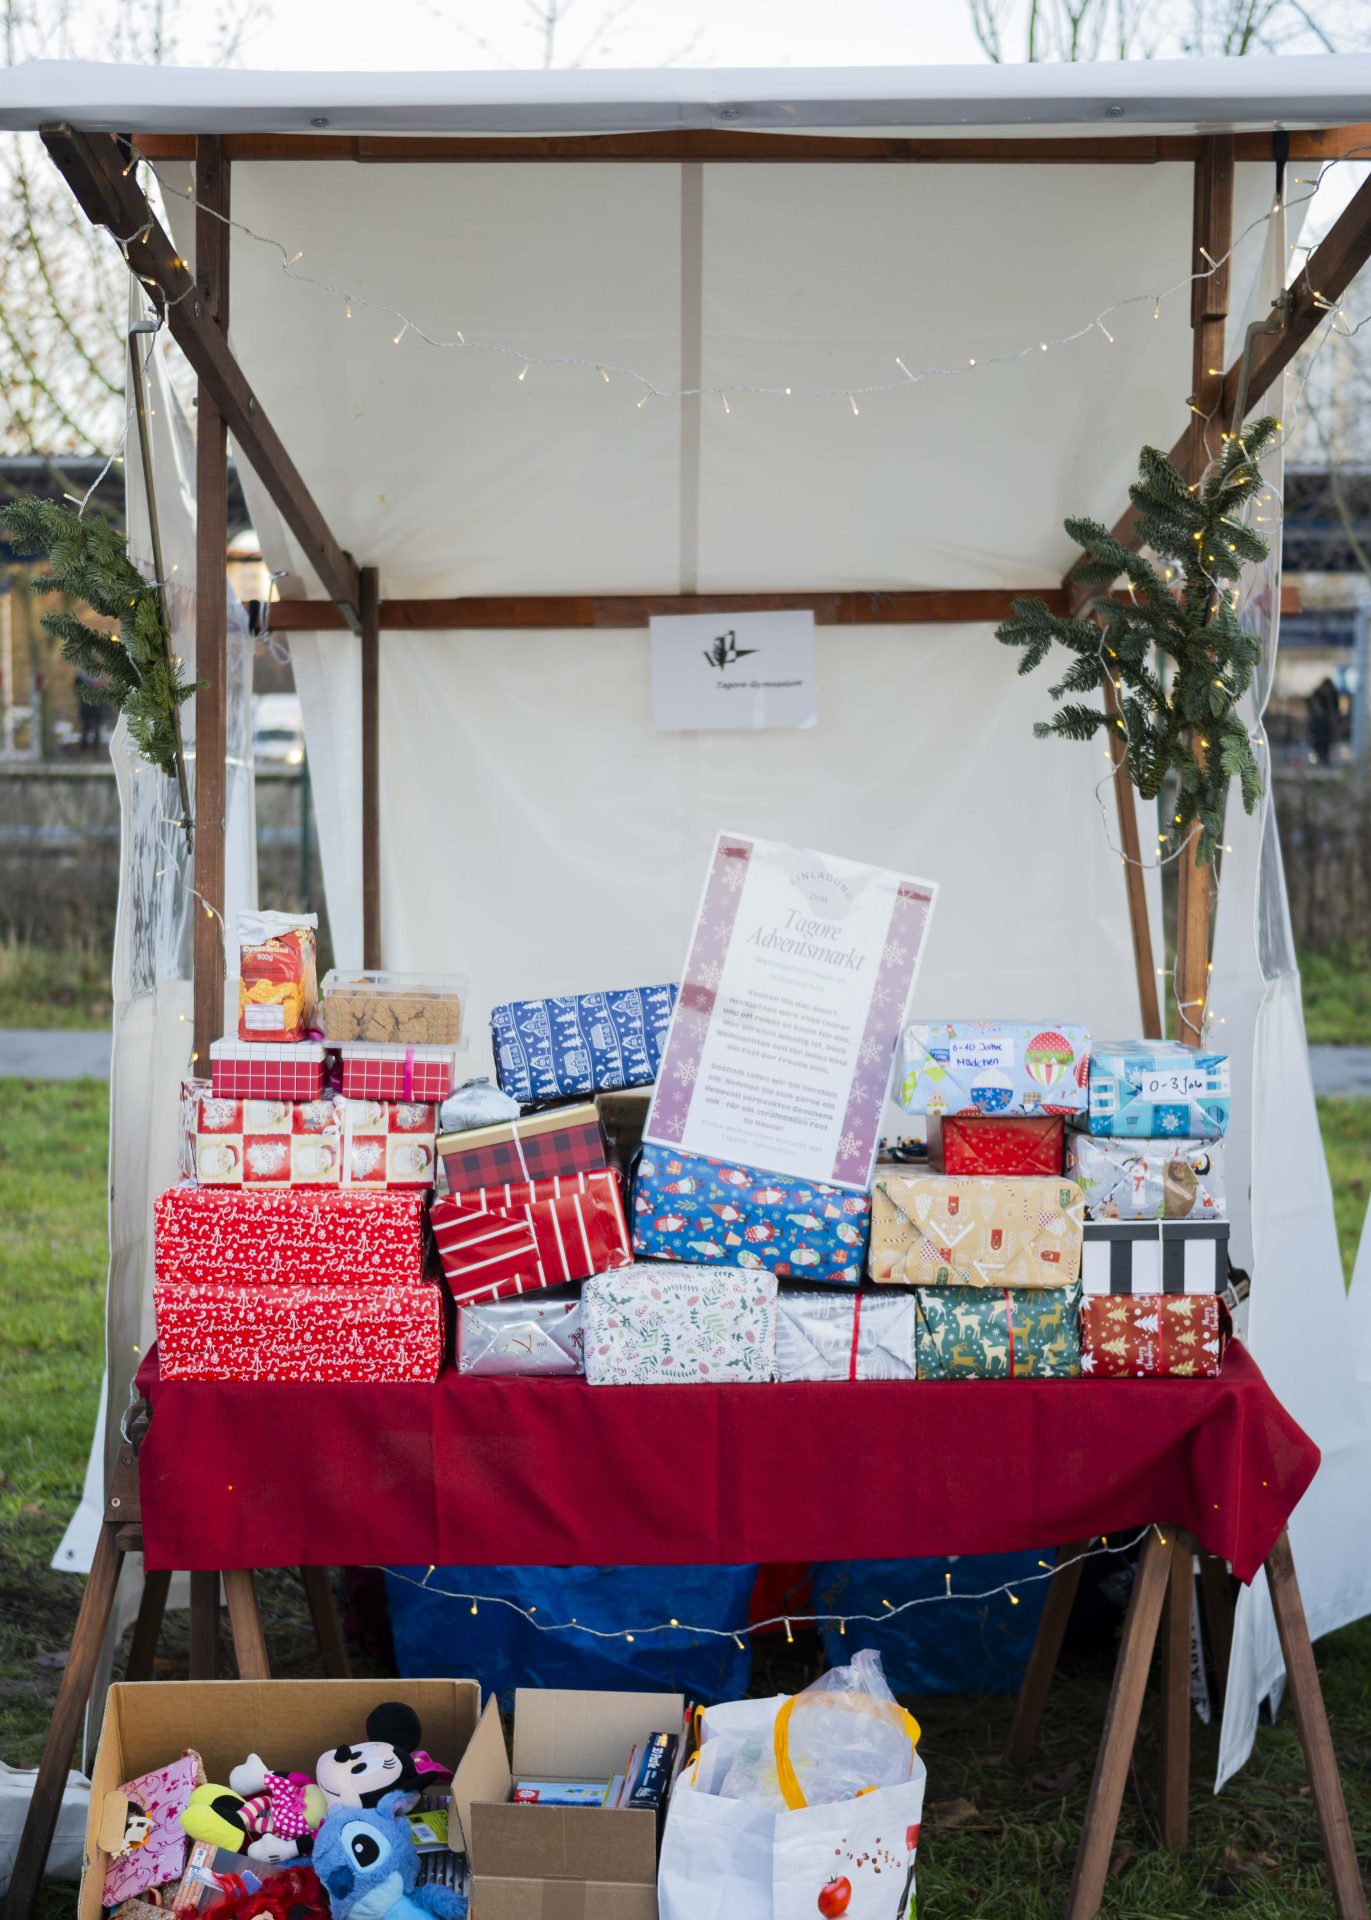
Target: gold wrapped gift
(952, 1230)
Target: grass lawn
(1337, 998)
(54, 986)
(994, 1843)
(1346, 1129)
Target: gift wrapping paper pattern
(244, 1070)
(517, 1240)
(372, 1071)
(993, 1067)
(580, 1042)
(163, 1796)
(947, 1230)
(1157, 1090)
(567, 1140)
(520, 1337)
(975, 1333)
(841, 1336)
(330, 1332)
(238, 1238)
(687, 1207)
(1148, 1179)
(1155, 1256)
(1147, 1336)
(376, 1144)
(1024, 1145)
(682, 1325)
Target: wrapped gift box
(690, 1208)
(542, 1146)
(520, 1336)
(375, 1072)
(209, 1330)
(1157, 1090)
(1155, 1256)
(841, 1336)
(1148, 1179)
(1150, 1335)
(974, 1333)
(580, 1042)
(261, 1070)
(268, 1143)
(517, 1240)
(993, 1066)
(945, 1230)
(234, 1237)
(1025, 1145)
(389, 1143)
(682, 1325)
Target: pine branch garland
(135, 669)
(1187, 613)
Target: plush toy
(292, 1894)
(369, 1865)
(269, 1816)
(390, 1758)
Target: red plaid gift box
(235, 1237)
(214, 1331)
(1022, 1145)
(262, 1070)
(373, 1071)
(565, 1140)
(516, 1239)
(1153, 1335)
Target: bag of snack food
(277, 976)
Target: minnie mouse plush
(389, 1760)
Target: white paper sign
(733, 670)
(791, 1003)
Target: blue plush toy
(367, 1861)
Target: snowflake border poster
(799, 972)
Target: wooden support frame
(371, 768)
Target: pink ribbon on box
(856, 1330)
(409, 1073)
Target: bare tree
(1135, 29)
(542, 37)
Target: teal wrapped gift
(690, 1208)
(1157, 1090)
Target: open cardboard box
(289, 1722)
(560, 1863)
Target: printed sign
(791, 1004)
(733, 670)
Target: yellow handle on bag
(791, 1791)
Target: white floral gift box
(659, 1324)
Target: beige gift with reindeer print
(948, 1230)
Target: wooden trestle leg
(1177, 1621)
(327, 1630)
(1047, 1646)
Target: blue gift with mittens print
(690, 1208)
(580, 1043)
(1157, 1090)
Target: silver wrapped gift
(524, 1335)
(1126, 1179)
(846, 1336)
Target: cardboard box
(289, 1722)
(560, 1863)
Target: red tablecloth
(553, 1472)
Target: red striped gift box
(258, 1070)
(542, 1233)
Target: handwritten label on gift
(1182, 1083)
(992, 1054)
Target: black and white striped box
(1155, 1256)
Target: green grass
(995, 1844)
(1337, 998)
(1346, 1129)
(54, 986)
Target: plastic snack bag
(277, 975)
(838, 1739)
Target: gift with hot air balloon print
(1000, 1067)
(715, 1212)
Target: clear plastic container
(395, 1009)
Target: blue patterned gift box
(1157, 1090)
(690, 1208)
(580, 1043)
(1002, 1068)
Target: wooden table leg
(97, 1605)
(245, 1624)
(1177, 1622)
(204, 1626)
(1047, 1646)
(327, 1629)
(1120, 1725)
(1216, 1590)
(147, 1627)
(1311, 1720)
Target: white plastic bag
(842, 1736)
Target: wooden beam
(110, 197)
(1177, 1618)
(371, 767)
(211, 608)
(1046, 1650)
(721, 146)
(1135, 880)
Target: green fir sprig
(135, 669)
(1187, 723)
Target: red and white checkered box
(262, 1070)
(374, 1071)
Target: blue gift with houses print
(1157, 1090)
(580, 1043)
(691, 1208)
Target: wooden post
(1135, 883)
(1047, 1646)
(327, 1628)
(204, 1626)
(245, 1624)
(211, 606)
(1175, 1690)
(371, 766)
(1213, 238)
(148, 1627)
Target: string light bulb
(523, 371)
(852, 402)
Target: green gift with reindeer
(997, 1333)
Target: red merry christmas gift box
(540, 1146)
(210, 1331)
(261, 1070)
(1023, 1145)
(541, 1233)
(1149, 1335)
(236, 1237)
